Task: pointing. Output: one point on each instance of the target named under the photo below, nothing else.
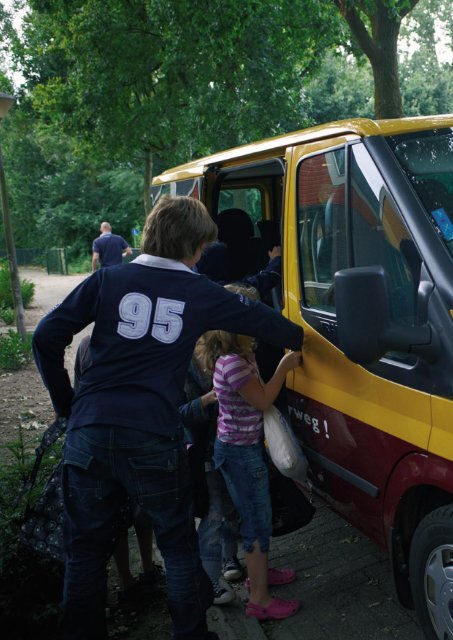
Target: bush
(28, 292)
(7, 315)
(80, 264)
(14, 353)
(6, 297)
(30, 585)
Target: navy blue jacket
(148, 314)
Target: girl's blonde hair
(214, 344)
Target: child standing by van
(240, 455)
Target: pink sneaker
(276, 577)
(277, 610)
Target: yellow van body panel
(441, 441)
(327, 375)
(277, 145)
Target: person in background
(125, 440)
(240, 455)
(109, 249)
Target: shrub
(6, 297)
(30, 585)
(14, 353)
(28, 292)
(7, 315)
(80, 264)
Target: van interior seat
(270, 233)
(245, 250)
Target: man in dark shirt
(124, 434)
(109, 248)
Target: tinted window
(321, 225)
(427, 159)
(248, 199)
(379, 236)
(369, 232)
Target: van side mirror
(365, 329)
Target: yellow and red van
(364, 210)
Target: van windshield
(427, 159)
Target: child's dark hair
(218, 343)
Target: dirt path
(50, 290)
(24, 400)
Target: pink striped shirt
(238, 422)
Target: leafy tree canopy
(132, 75)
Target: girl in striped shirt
(240, 455)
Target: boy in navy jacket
(124, 430)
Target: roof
(277, 145)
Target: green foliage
(7, 315)
(234, 78)
(340, 89)
(30, 586)
(80, 264)
(27, 288)
(14, 352)
(6, 297)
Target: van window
(427, 159)
(179, 188)
(380, 237)
(371, 233)
(249, 199)
(321, 225)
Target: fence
(54, 260)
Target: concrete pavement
(344, 582)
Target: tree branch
(407, 7)
(357, 27)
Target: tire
(431, 573)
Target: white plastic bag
(284, 450)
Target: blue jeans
(103, 466)
(218, 529)
(246, 473)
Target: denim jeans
(246, 473)
(218, 529)
(103, 466)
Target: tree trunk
(384, 61)
(147, 181)
(380, 46)
(12, 260)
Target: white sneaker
(222, 595)
(232, 570)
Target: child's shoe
(277, 610)
(232, 570)
(222, 595)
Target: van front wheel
(431, 573)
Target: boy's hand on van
(291, 360)
(274, 252)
